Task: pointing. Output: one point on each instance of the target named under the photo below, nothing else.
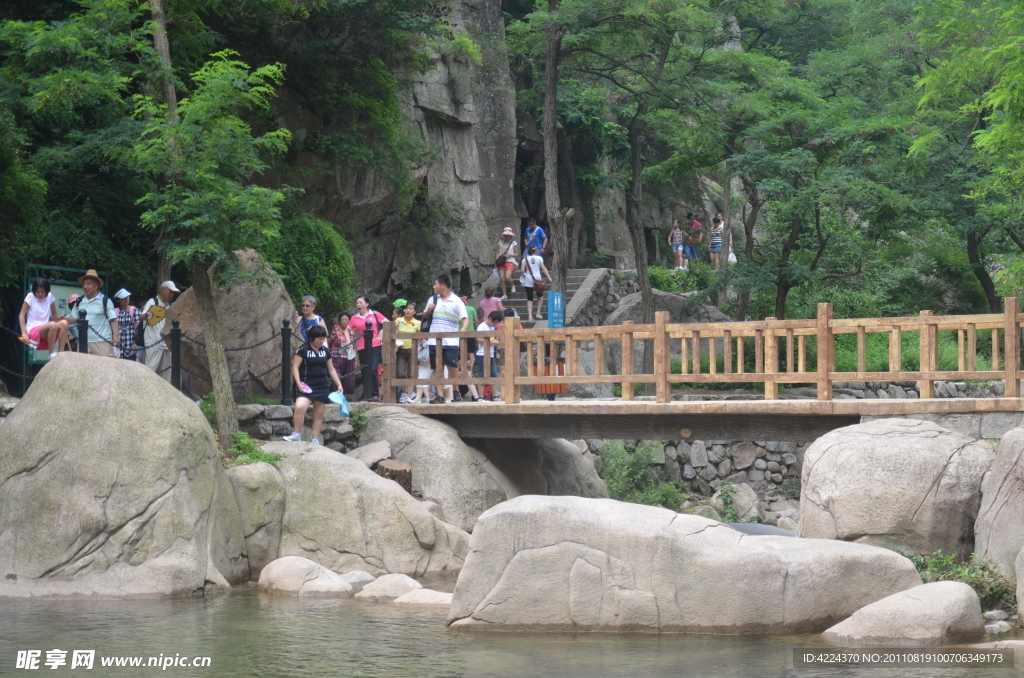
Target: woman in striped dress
(717, 226)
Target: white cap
(169, 284)
(122, 294)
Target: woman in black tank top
(312, 372)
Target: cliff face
(466, 115)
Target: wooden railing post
(927, 346)
(510, 389)
(661, 355)
(1011, 354)
(771, 361)
(627, 359)
(390, 356)
(825, 359)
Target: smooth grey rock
(725, 468)
(120, 494)
(572, 564)
(996, 424)
(709, 472)
(345, 517)
(424, 599)
(773, 466)
(704, 511)
(995, 615)
(716, 453)
(387, 588)
(371, 453)
(567, 472)
(743, 455)
(755, 475)
(761, 529)
(247, 412)
(760, 464)
(788, 524)
(357, 579)
(940, 613)
(258, 490)
(698, 454)
(736, 478)
(278, 412)
(998, 627)
(932, 480)
(747, 504)
(670, 452)
(689, 473)
(789, 459)
(295, 576)
(999, 529)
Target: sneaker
(457, 397)
(53, 355)
(293, 438)
(496, 399)
(513, 289)
(480, 400)
(404, 400)
(424, 400)
(437, 400)
(315, 441)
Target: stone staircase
(517, 301)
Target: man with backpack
(104, 332)
(157, 351)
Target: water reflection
(251, 635)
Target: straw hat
(91, 273)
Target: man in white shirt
(447, 314)
(489, 324)
(534, 271)
(157, 350)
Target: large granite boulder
(345, 517)
(248, 315)
(568, 563)
(445, 470)
(567, 471)
(294, 576)
(388, 588)
(999, 529)
(894, 482)
(259, 493)
(111, 485)
(940, 613)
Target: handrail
(779, 350)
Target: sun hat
(122, 294)
(72, 298)
(401, 303)
(91, 273)
(169, 284)
(508, 231)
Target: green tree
(206, 156)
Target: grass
(260, 400)
(245, 450)
(627, 476)
(994, 590)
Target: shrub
(699, 277)
(357, 420)
(730, 512)
(626, 476)
(994, 590)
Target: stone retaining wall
(599, 296)
(870, 390)
(270, 422)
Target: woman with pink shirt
(490, 303)
(369, 356)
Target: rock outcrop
(388, 588)
(567, 563)
(345, 517)
(248, 315)
(259, 494)
(567, 471)
(940, 613)
(111, 485)
(459, 478)
(294, 576)
(427, 599)
(999, 529)
(894, 482)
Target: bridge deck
(791, 420)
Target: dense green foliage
(629, 477)
(871, 151)
(247, 451)
(994, 590)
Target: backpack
(425, 323)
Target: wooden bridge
(770, 352)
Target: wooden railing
(780, 353)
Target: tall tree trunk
(556, 219)
(723, 257)
(753, 197)
(634, 220)
(227, 420)
(995, 304)
(170, 96)
(782, 285)
(575, 202)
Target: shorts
(677, 247)
(449, 356)
(44, 342)
(478, 368)
(471, 346)
(691, 252)
(715, 249)
(529, 293)
(508, 266)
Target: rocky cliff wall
(465, 114)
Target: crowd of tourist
(117, 329)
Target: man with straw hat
(104, 332)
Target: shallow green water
(246, 634)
